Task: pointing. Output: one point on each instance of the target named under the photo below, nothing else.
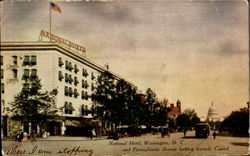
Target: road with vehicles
(145, 145)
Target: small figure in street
(90, 134)
(33, 136)
(214, 134)
(25, 138)
(162, 132)
(185, 132)
(20, 137)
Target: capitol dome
(212, 114)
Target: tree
(183, 121)
(103, 96)
(192, 115)
(237, 123)
(32, 105)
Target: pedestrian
(90, 134)
(214, 134)
(20, 137)
(33, 136)
(25, 138)
(162, 132)
(185, 133)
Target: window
(26, 60)
(14, 73)
(60, 75)
(86, 84)
(85, 110)
(14, 60)
(60, 62)
(2, 88)
(1, 60)
(66, 77)
(70, 66)
(70, 91)
(70, 79)
(26, 74)
(33, 74)
(68, 108)
(92, 76)
(1, 73)
(66, 65)
(76, 94)
(76, 81)
(85, 95)
(84, 72)
(66, 91)
(76, 68)
(92, 87)
(33, 60)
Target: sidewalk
(64, 138)
(71, 138)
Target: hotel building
(58, 67)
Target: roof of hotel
(65, 50)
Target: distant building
(175, 111)
(212, 114)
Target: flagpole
(50, 20)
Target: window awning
(60, 62)
(26, 60)
(33, 60)
(71, 107)
(70, 66)
(74, 123)
(76, 92)
(26, 73)
(66, 106)
(76, 68)
(82, 123)
(33, 73)
(60, 75)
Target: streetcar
(202, 130)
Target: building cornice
(16, 46)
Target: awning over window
(33, 73)
(76, 81)
(70, 78)
(76, 69)
(71, 107)
(60, 62)
(33, 60)
(70, 66)
(26, 60)
(76, 92)
(82, 123)
(70, 90)
(26, 73)
(60, 75)
(66, 106)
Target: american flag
(55, 7)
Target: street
(175, 145)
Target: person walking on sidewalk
(185, 132)
(214, 134)
(33, 135)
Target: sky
(195, 51)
